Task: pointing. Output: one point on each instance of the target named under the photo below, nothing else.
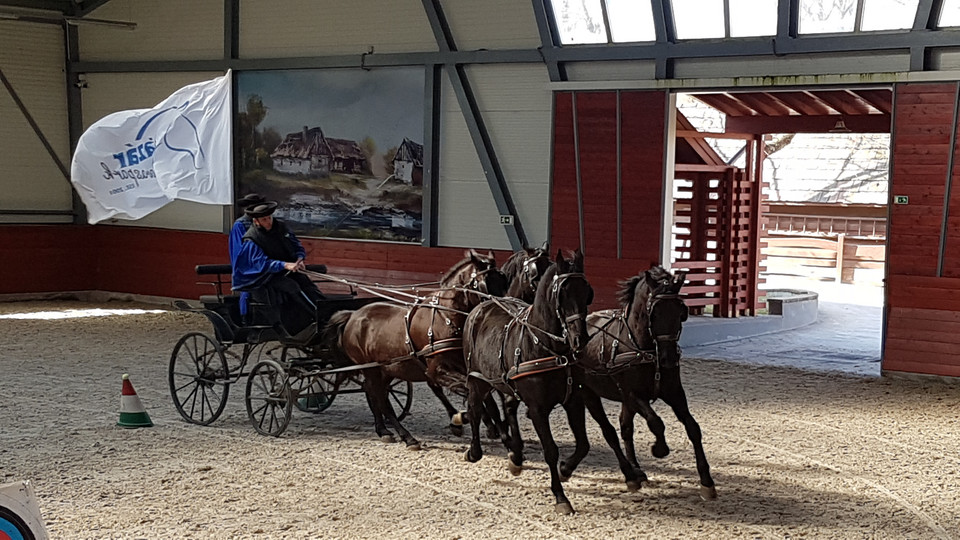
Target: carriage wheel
(268, 398)
(400, 396)
(199, 378)
(314, 392)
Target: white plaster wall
(492, 24)
(167, 30)
(32, 59)
(517, 110)
(301, 28)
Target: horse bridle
(475, 280)
(558, 281)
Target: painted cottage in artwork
(408, 163)
(310, 152)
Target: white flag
(131, 163)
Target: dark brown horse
(417, 342)
(523, 271)
(524, 352)
(633, 357)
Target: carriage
(286, 371)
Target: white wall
(299, 28)
(32, 59)
(517, 111)
(167, 30)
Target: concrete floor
(845, 338)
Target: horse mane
(546, 281)
(512, 266)
(628, 288)
(459, 266)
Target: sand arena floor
(795, 454)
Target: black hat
(250, 199)
(261, 210)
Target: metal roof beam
(928, 13)
(547, 27)
(85, 8)
(62, 6)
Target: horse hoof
(634, 485)
(564, 508)
(708, 493)
(456, 429)
(469, 458)
(388, 439)
(660, 450)
(514, 468)
(415, 446)
(457, 419)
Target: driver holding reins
(268, 265)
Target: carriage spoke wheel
(400, 395)
(199, 378)
(268, 398)
(313, 393)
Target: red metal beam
(872, 123)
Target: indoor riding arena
(490, 269)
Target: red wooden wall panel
(920, 172)
(922, 333)
(642, 131)
(643, 128)
(160, 262)
(564, 223)
(597, 128)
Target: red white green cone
(132, 413)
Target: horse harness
(521, 368)
(636, 356)
(435, 347)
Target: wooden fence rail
(837, 258)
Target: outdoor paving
(845, 338)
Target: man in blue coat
(268, 264)
(240, 227)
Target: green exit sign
(901, 199)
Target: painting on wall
(340, 150)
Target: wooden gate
(717, 235)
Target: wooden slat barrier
(835, 258)
(716, 230)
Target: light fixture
(840, 127)
(49, 17)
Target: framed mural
(340, 150)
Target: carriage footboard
(221, 327)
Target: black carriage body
(287, 370)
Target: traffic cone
(132, 413)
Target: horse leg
(511, 437)
(654, 424)
(378, 384)
(578, 425)
(632, 473)
(456, 429)
(476, 391)
(378, 424)
(551, 454)
(677, 400)
(391, 416)
(491, 417)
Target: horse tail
(332, 335)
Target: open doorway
(824, 172)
